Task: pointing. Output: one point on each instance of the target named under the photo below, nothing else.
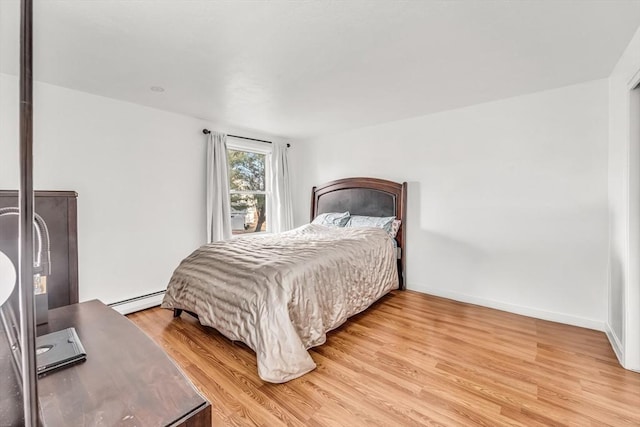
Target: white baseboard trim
(552, 316)
(617, 346)
(618, 349)
(137, 304)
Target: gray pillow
(332, 219)
(384, 222)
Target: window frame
(237, 144)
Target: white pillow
(388, 223)
(332, 219)
(395, 227)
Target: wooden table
(127, 380)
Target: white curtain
(218, 201)
(281, 212)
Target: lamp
(40, 266)
(41, 263)
(7, 278)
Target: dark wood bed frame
(361, 196)
(368, 197)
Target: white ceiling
(305, 68)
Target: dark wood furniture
(11, 409)
(360, 196)
(126, 380)
(59, 210)
(368, 197)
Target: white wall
(139, 174)
(507, 201)
(624, 207)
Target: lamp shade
(7, 277)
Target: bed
(281, 293)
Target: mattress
(281, 293)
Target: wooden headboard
(365, 196)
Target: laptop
(58, 350)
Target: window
(248, 182)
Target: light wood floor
(413, 359)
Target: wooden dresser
(127, 380)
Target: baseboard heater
(138, 303)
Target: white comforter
(281, 293)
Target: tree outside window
(248, 184)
